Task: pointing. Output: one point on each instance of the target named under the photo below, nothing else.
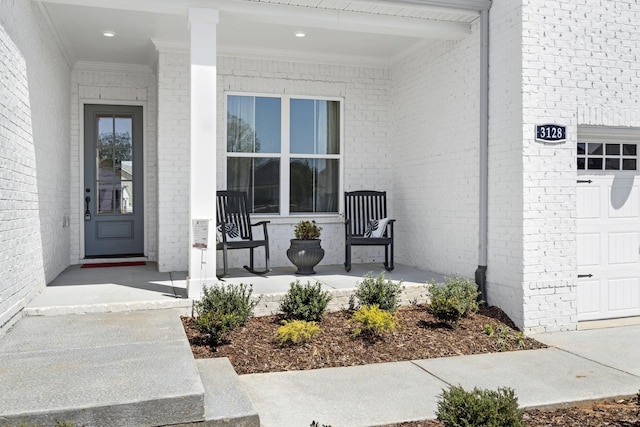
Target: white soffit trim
(171, 46)
(473, 5)
(108, 67)
(173, 7)
(393, 21)
(608, 133)
(341, 19)
(68, 57)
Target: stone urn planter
(305, 251)
(305, 254)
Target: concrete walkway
(585, 365)
(136, 369)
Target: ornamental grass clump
(222, 309)
(376, 291)
(372, 322)
(305, 302)
(456, 299)
(297, 332)
(479, 407)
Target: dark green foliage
(480, 407)
(305, 302)
(222, 309)
(307, 230)
(376, 291)
(457, 298)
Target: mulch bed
(251, 348)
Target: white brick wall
(34, 157)
(434, 147)
(574, 56)
(572, 63)
(505, 228)
(365, 91)
(549, 171)
(173, 160)
(116, 86)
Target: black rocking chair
(363, 211)
(234, 224)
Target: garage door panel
(588, 202)
(589, 249)
(608, 244)
(589, 297)
(623, 293)
(623, 199)
(622, 248)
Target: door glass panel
(105, 198)
(114, 158)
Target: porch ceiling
(340, 31)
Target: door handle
(580, 276)
(87, 212)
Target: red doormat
(114, 264)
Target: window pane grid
(606, 156)
(114, 164)
(300, 163)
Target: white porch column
(202, 262)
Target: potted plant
(305, 251)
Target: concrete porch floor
(94, 290)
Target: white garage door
(608, 230)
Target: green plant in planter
(305, 251)
(307, 230)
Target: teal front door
(113, 181)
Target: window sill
(294, 219)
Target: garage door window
(607, 156)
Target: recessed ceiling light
(109, 33)
(300, 34)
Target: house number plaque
(551, 133)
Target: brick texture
(34, 157)
(173, 160)
(434, 150)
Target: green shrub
(457, 298)
(505, 337)
(373, 322)
(480, 407)
(297, 332)
(222, 309)
(305, 302)
(377, 291)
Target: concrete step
(112, 369)
(225, 400)
(184, 305)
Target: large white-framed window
(285, 152)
